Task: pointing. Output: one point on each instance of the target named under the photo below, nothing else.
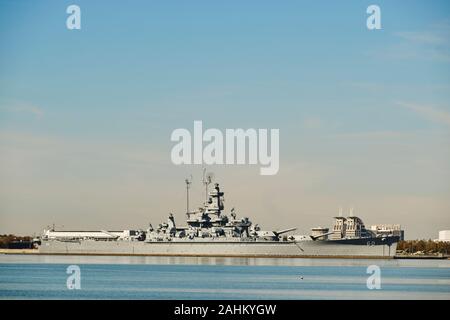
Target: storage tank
(444, 235)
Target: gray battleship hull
(356, 248)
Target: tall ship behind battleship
(210, 232)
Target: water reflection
(226, 261)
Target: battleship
(211, 232)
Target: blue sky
(363, 115)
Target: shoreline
(399, 257)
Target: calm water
(44, 277)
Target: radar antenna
(207, 179)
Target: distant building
(388, 229)
(444, 236)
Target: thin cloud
(30, 109)
(425, 38)
(428, 112)
(25, 108)
(432, 44)
(369, 86)
(373, 135)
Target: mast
(188, 185)
(207, 179)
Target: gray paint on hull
(253, 249)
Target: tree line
(7, 239)
(425, 246)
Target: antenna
(207, 179)
(188, 182)
(340, 211)
(351, 212)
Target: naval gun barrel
(277, 233)
(112, 235)
(321, 236)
